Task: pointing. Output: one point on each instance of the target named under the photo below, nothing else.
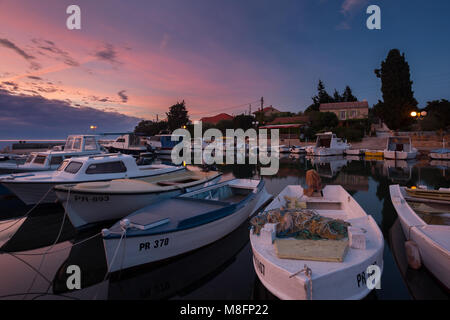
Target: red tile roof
(215, 119)
(343, 105)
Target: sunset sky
(133, 59)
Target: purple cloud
(43, 118)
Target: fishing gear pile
(301, 224)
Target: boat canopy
(81, 143)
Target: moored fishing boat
(93, 202)
(297, 149)
(309, 268)
(399, 148)
(328, 144)
(37, 187)
(128, 144)
(76, 146)
(175, 226)
(432, 240)
(355, 152)
(441, 154)
(376, 154)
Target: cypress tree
(396, 86)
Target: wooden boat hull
(324, 152)
(139, 250)
(440, 156)
(374, 153)
(433, 240)
(88, 208)
(399, 155)
(42, 192)
(330, 280)
(429, 194)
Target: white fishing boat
(355, 152)
(76, 146)
(163, 144)
(284, 149)
(175, 226)
(294, 269)
(432, 240)
(37, 187)
(128, 144)
(297, 149)
(93, 202)
(440, 154)
(399, 148)
(328, 144)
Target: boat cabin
(328, 140)
(399, 144)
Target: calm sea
(222, 270)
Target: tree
(438, 115)
(337, 97)
(348, 96)
(396, 86)
(321, 97)
(150, 128)
(243, 122)
(177, 116)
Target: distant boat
(182, 224)
(320, 277)
(399, 148)
(355, 152)
(128, 144)
(440, 154)
(93, 202)
(328, 144)
(433, 240)
(163, 143)
(374, 154)
(76, 146)
(37, 187)
(297, 149)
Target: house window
(342, 115)
(353, 113)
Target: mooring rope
(51, 247)
(108, 270)
(29, 211)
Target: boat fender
(125, 224)
(357, 238)
(413, 255)
(105, 232)
(268, 233)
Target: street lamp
(419, 116)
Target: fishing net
(301, 224)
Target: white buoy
(413, 255)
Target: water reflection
(222, 270)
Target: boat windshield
(323, 141)
(90, 143)
(40, 159)
(69, 143)
(30, 158)
(73, 167)
(63, 165)
(77, 144)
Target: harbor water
(34, 265)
